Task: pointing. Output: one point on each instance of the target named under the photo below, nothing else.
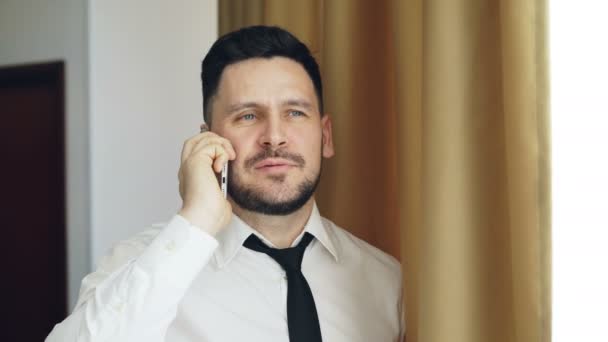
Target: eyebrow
(291, 102)
(298, 103)
(241, 105)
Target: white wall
(132, 97)
(40, 31)
(145, 97)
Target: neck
(280, 230)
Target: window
(578, 33)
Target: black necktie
(302, 319)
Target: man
(262, 265)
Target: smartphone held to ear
(224, 180)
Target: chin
(279, 200)
(274, 199)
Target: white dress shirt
(177, 283)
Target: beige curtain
(441, 129)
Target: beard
(257, 200)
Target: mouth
(274, 164)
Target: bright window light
(579, 106)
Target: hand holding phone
(204, 166)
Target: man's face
(269, 111)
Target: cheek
(306, 136)
(311, 143)
(239, 142)
(243, 149)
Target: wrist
(198, 218)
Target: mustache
(270, 153)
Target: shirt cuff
(178, 253)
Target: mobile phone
(224, 180)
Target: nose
(274, 135)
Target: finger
(219, 162)
(180, 182)
(210, 152)
(211, 140)
(229, 148)
(226, 144)
(191, 143)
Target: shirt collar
(232, 237)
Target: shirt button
(118, 306)
(170, 246)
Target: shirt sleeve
(402, 335)
(135, 292)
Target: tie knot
(289, 258)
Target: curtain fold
(442, 150)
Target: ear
(327, 139)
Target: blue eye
(296, 113)
(248, 117)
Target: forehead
(264, 80)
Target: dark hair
(252, 42)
